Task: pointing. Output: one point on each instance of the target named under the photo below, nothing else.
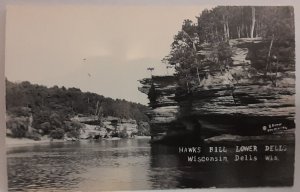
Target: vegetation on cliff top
(216, 27)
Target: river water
(129, 164)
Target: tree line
(51, 108)
(215, 28)
(229, 22)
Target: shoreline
(15, 142)
(226, 138)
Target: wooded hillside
(50, 109)
(68, 102)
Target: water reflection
(131, 164)
(86, 166)
(170, 170)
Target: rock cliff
(109, 127)
(242, 98)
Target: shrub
(73, 133)
(57, 133)
(35, 136)
(18, 126)
(123, 133)
(45, 127)
(143, 129)
(72, 128)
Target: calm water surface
(129, 164)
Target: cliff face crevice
(254, 92)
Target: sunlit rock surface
(107, 127)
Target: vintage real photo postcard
(149, 97)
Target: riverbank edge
(14, 142)
(288, 135)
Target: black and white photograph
(114, 97)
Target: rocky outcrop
(241, 98)
(108, 127)
(161, 93)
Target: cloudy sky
(104, 49)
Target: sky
(103, 49)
